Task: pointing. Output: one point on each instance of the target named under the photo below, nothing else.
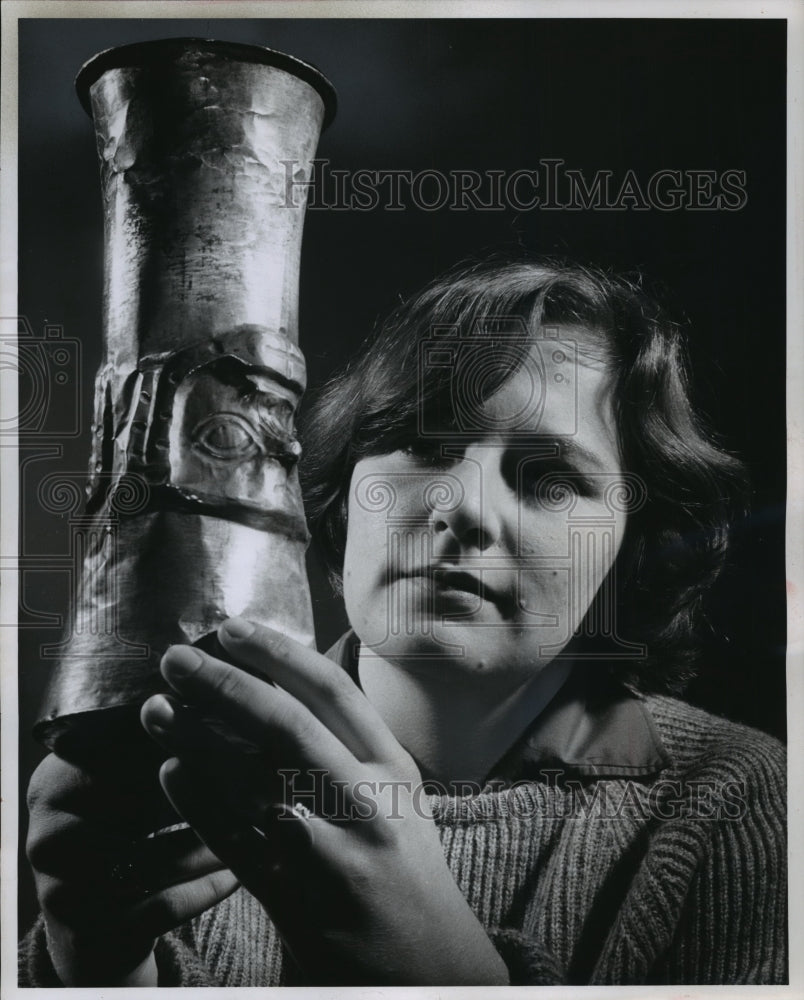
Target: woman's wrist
(483, 966)
(460, 951)
(146, 974)
(479, 962)
(72, 973)
(102, 964)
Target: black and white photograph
(400, 566)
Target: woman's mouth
(451, 579)
(451, 583)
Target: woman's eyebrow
(565, 448)
(580, 455)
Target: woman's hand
(107, 891)
(359, 889)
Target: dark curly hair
(674, 545)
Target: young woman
(488, 780)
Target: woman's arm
(733, 925)
(707, 902)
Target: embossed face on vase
(232, 436)
(484, 552)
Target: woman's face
(482, 553)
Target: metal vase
(194, 511)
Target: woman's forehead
(561, 389)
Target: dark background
(447, 95)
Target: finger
(238, 844)
(165, 859)
(246, 781)
(118, 940)
(71, 846)
(179, 903)
(273, 864)
(266, 716)
(317, 682)
(95, 863)
(129, 808)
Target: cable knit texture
(679, 878)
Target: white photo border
(13, 10)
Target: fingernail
(238, 628)
(160, 713)
(182, 660)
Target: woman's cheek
(575, 551)
(364, 572)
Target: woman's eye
(426, 452)
(226, 436)
(552, 489)
(555, 487)
(563, 487)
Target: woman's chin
(465, 652)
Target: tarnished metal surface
(201, 378)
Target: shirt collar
(594, 727)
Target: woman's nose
(476, 520)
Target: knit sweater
(676, 878)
